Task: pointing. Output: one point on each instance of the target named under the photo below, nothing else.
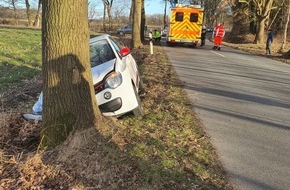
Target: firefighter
(218, 34)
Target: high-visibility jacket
(157, 35)
(219, 31)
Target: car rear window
(100, 52)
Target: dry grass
(260, 49)
(166, 149)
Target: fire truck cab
(185, 24)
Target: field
(20, 56)
(167, 149)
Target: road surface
(243, 102)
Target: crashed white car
(116, 79)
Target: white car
(116, 79)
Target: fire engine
(185, 23)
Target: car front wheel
(138, 111)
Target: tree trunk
(28, 12)
(165, 16)
(259, 38)
(13, 2)
(285, 28)
(131, 12)
(104, 17)
(143, 21)
(136, 40)
(263, 10)
(68, 97)
(37, 17)
(109, 7)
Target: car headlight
(113, 80)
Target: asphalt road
(243, 102)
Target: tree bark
(136, 39)
(69, 102)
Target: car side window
(100, 52)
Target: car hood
(100, 71)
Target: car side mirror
(125, 51)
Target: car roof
(98, 38)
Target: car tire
(121, 33)
(138, 111)
(141, 85)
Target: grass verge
(166, 149)
(20, 56)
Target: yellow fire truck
(185, 24)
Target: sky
(151, 6)
(154, 7)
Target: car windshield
(100, 52)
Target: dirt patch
(70, 165)
(21, 97)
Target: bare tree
(37, 16)
(121, 7)
(143, 21)
(92, 10)
(211, 12)
(165, 15)
(108, 4)
(104, 16)
(28, 12)
(13, 4)
(240, 16)
(67, 78)
(131, 12)
(263, 9)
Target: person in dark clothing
(270, 39)
(203, 34)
